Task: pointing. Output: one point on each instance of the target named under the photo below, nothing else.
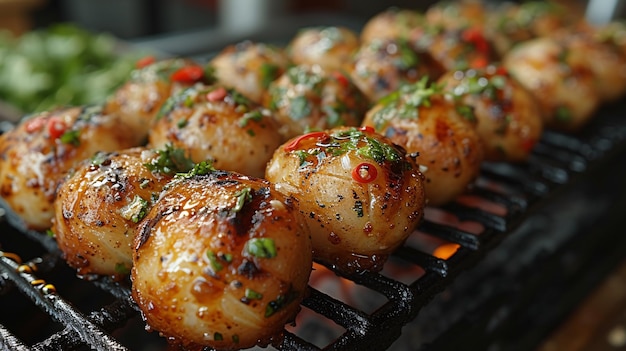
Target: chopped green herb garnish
(121, 268)
(182, 123)
(216, 266)
(273, 306)
(261, 247)
(252, 295)
(136, 210)
(71, 137)
(563, 114)
(235, 339)
(217, 336)
(244, 195)
(170, 160)
(186, 97)
(50, 233)
(300, 107)
(269, 72)
(254, 115)
(467, 112)
(99, 158)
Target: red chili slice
(56, 127)
(367, 129)
(476, 37)
(145, 61)
(343, 80)
(295, 142)
(364, 173)
(34, 124)
(188, 74)
(216, 95)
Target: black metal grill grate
(103, 322)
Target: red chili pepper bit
(188, 74)
(56, 127)
(364, 173)
(475, 36)
(367, 129)
(501, 70)
(479, 62)
(293, 144)
(216, 95)
(342, 79)
(34, 124)
(145, 61)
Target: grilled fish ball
(361, 195)
(510, 24)
(139, 99)
(37, 153)
(331, 48)
(560, 80)
(457, 14)
(454, 49)
(307, 97)
(607, 65)
(393, 23)
(380, 67)
(222, 260)
(509, 119)
(212, 122)
(420, 119)
(249, 67)
(100, 204)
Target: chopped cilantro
(563, 114)
(217, 336)
(358, 208)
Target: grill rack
(557, 161)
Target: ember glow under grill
(514, 245)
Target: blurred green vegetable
(62, 65)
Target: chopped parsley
(217, 336)
(261, 247)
